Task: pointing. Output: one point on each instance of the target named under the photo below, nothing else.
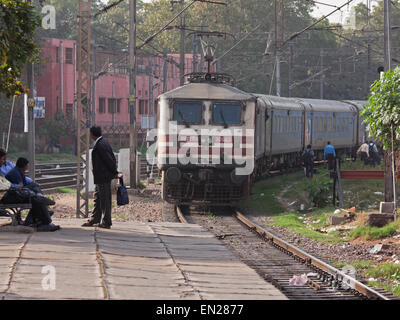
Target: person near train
(363, 150)
(330, 155)
(39, 216)
(104, 170)
(373, 153)
(308, 161)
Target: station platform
(140, 261)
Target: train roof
(360, 104)
(207, 91)
(319, 105)
(278, 102)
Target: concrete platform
(153, 261)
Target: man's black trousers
(102, 204)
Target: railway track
(51, 176)
(277, 261)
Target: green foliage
(18, 22)
(66, 190)
(369, 232)
(141, 185)
(383, 109)
(293, 222)
(57, 128)
(319, 190)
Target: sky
(339, 16)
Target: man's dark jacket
(15, 176)
(103, 162)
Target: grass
(387, 274)
(66, 190)
(365, 195)
(370, 233)
(263, 194)
(141, 185)
(293, 222)
(44, 157)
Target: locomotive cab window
(187, 112)
(227, 113)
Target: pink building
(58, 77)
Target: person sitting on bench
(39, 214)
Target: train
(214, 140)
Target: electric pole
(387, 54)
(279, 31)
(31, 119)
(132, 93)
(321, 88)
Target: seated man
(39, 214)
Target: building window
(102, 105)
(68, 110)
(118, 105)
(141, 106)
(111, 106)
(68, 55)
(58, 104)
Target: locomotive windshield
(227, 113)
(187, 112)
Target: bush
(319, 190)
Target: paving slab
(157, 261)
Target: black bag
(122, 194)
(17, 195)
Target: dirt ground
(144, 207)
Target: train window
(330, 125)
(187, 112)
(334, 124)
(227, 113)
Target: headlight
(173, 175)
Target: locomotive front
(205, 144)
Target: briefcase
(122, 194)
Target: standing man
(330, 155)
(308, 160)
(364, 150)
(104, 170)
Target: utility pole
(182, 54)
(321, 88)
(195, 51)
(132, 94)
(390, 175)
(83, 112)
(279, 31)
(165, 71)
(290, 69)
(31, 119)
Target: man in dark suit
(104, 170)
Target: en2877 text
(221, 309)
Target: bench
(13, 211)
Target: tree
(18, 22)
(383, 109)
(382, 116)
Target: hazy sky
(338, 16)
(321, 10)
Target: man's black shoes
(89, 224)
(42, 199)
(104, 226)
